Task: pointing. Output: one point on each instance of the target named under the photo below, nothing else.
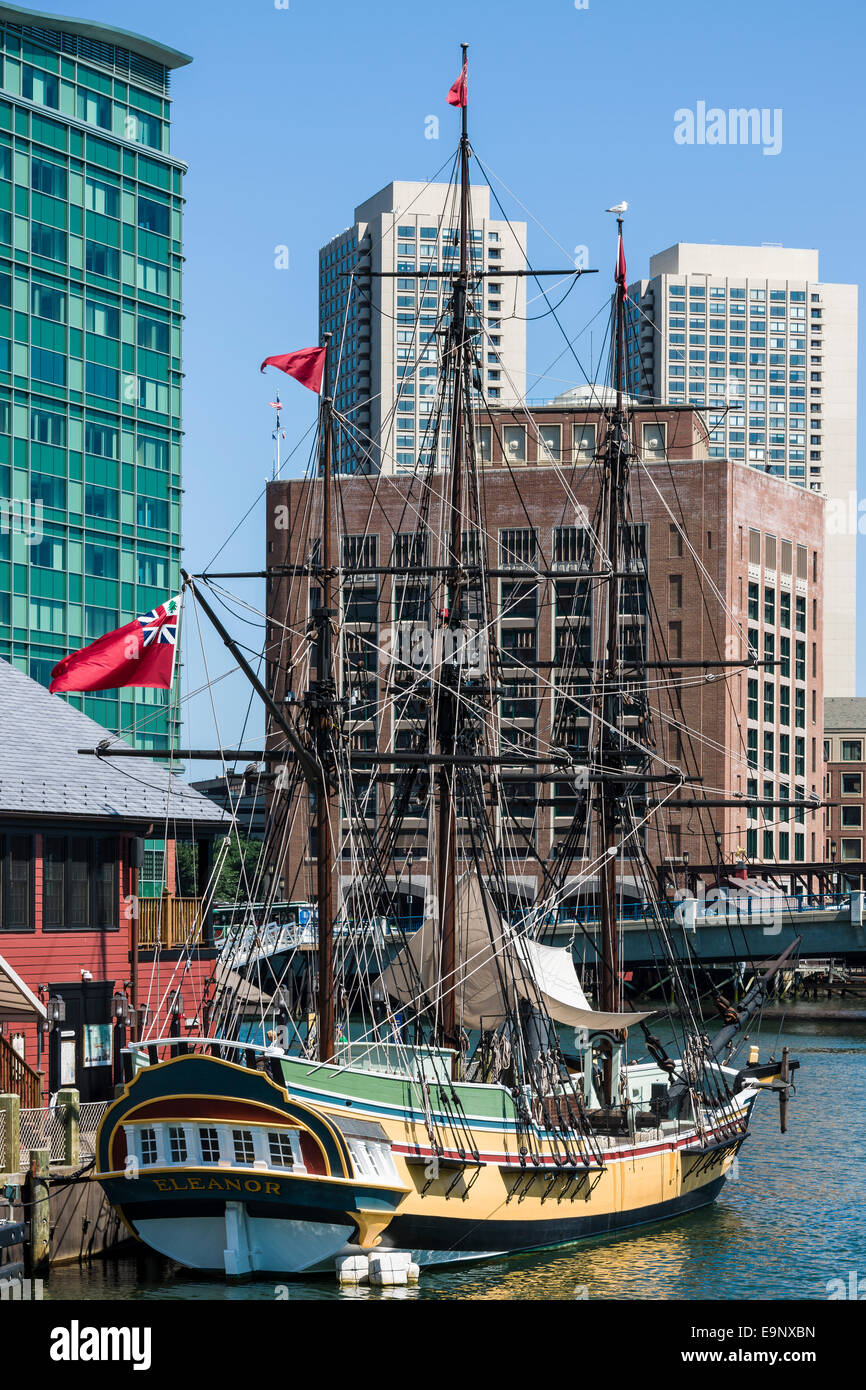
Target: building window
(852, 783)
(514, 443)
(852, 750)
(484, 437)
(654, 441)
(851, 849)
(852, 817)
(79, 882)
(16, 882)
(584, 442)
(101, 260)
(243, 1145)
(517, 546)
(549, 443)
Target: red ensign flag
(139, 653)
(620, 268)
(307, 366)
(457, 92)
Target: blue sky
(289, 117)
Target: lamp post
(687, 859)
(176, 1011)
(834, 878)
(718, 839)
(122, 1013)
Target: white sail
(495, 968)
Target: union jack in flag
(160, 624)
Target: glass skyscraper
(91, 204)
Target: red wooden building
(72, 829)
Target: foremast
(447, 705)
(324, 716)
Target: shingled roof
(844, 714)
(42, 773)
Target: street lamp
(56, 1010)
(175, 1009)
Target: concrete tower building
(385, 344)
(751, 335)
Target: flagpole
(277, 461)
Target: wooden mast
(324, 708)
(610, 703)
(449, 674)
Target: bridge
(723, 927)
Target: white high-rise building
(386, 345)
(751, 334)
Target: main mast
(323, 701)
(449, 671)
(609, 702)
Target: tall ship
(461, 1082)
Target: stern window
(280, 1146)
(210, 1145)
(244, 1148)
(177, 1144)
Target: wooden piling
(35, 1194)
(10, 1106)
(68, 1100)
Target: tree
(241, 852)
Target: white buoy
(390, 1268)
(353, 1269)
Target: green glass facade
(91, 206)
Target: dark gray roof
(42, 772)
(102, 33)
(843, 713)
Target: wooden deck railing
(168, 921)
(17, 1077)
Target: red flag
(307, 366)
(139, 653)
(457, 92)
(620, 267)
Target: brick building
(719, 560)
(845, 783)
(71, 835)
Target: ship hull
(364, 1176)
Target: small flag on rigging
(457, 90)
(307, 366)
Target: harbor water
(790, 1223)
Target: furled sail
(496, 967)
